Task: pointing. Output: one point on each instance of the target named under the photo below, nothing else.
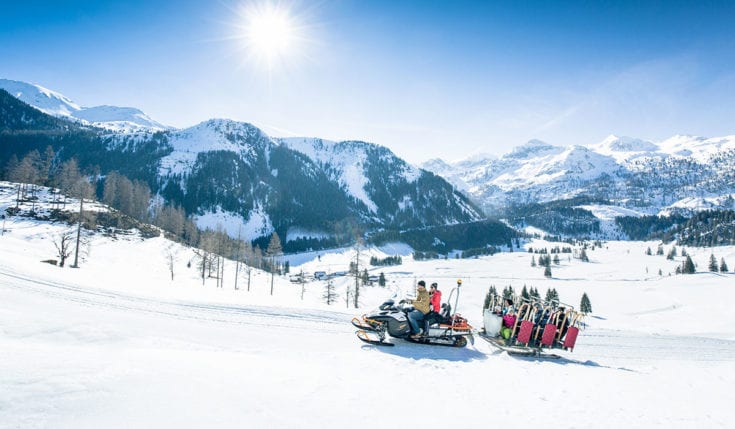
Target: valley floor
(79, 356)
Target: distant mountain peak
(627, 171)
(229, 125)
(43, 99)
(118, 119)
(613, 143)
(533, 148)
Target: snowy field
(118, 344)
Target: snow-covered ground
(117, 343)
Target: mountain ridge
(231, 175)
(627, 172)
(113, 118)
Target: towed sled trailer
(534, 330)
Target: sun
(270, 33)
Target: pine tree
(672, 253)
(493, 291)
(585, 306)
(648, 251)
(583, 256)
(489, 298)
(524, 293)
(556, 259)
(533, 261)
(552, 297)
(723, 266)
(508, 292)
(534, 294)
(713, 263)
(687, 266)
(660, 250)
(547, 272)
(381, 280)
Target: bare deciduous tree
(274, 251)
(171, 254)
(330, 294)
(63, 243)
(357, 263)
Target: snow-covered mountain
(626, 172)
(231, 175)
(113, 118)
(236, 171)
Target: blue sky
(425, 78)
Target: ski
(359, 324)
(363, 336)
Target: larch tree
(273, 252)
(73, 183)
(356, 264)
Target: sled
(535, 330)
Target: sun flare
(270, 33)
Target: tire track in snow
(593, 344)
(627, 345)
(221, 313)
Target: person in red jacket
(436, 297)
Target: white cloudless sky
(424, 78)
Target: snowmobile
(532, 330)
(390, 319)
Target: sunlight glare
(270, 34)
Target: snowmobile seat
(446, 313)
(433, 318)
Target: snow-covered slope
(122, 119)
(118, 343)
(211, 135)
(113, 118)
(347, 161)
